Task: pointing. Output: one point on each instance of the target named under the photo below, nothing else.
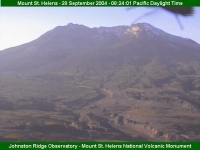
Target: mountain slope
(75, 46)
(123, 83)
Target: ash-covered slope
(124, 83)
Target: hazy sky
(24, 24)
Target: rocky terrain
(123, 83)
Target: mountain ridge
(74, 40)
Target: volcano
(122, 83)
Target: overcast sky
(24, 24)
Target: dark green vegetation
(122, 83)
